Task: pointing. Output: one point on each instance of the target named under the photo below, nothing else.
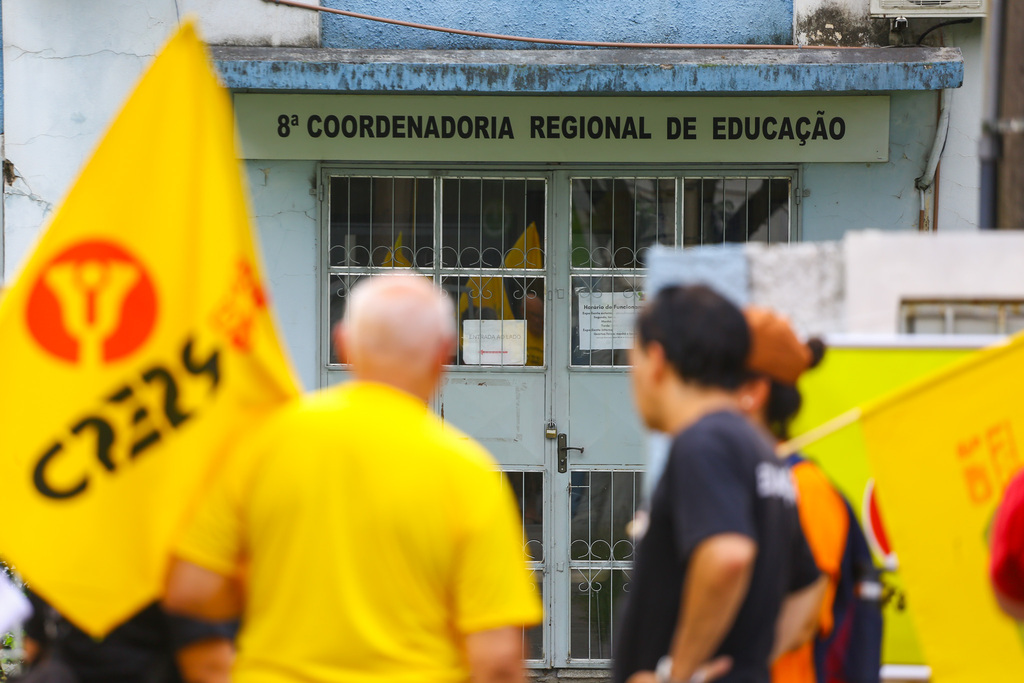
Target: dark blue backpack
(853, 651)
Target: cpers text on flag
(135, 344)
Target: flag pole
(798, 443)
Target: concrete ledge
(589, 72)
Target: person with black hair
(840, 639)
(723, 549)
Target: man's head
(686, 337)
(397, 330)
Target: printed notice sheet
(494, 342)
(606, 319)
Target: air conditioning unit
(929, 8)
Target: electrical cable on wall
(550, 41)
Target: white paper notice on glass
(494, 342)
(606, 319)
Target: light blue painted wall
(858, 196)
(289, 229)
(651, 21)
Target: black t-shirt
(721, 477)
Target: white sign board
(606, 319)
(516, 128)
(494, 342)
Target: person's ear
(659, 364)
(447, 350)
(753, 395)
(340, 342)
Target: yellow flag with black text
(135, 344)
(942, 451)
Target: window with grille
(484, 241)
(975, 316)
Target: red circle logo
(877, 536)
(94, 303)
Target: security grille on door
(546, 273)
(484, 248)
(615, 221)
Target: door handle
(563, 452)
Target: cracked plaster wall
(286, 214)
(68, 67)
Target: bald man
(357, 537)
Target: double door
(546, 273)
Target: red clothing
(1007, 563)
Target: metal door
(546, 274)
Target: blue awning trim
(589, 72)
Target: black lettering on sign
(506, 129)
(644, 135)
(629, 129)
(718, 131)
(447, 127)
(536, 126)
(349, 127)
(285, 123)
(801, 130)
(837, 128)
(673, 128)
(689, 127)
(612, 127)
(313, 126)
(552, 127)
(332, 126)
(819, 128)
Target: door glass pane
(615, 220)
(500, 318)
(381, 222)
(492, 223)
(604, 309)
(747, 209)
(601, 503)
(528, 490)
(340, 285)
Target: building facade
(528, 180)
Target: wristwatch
(663, 672)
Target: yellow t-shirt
(372, 539)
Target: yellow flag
(135, 344)
(942, 450)
(489, 292)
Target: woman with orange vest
(771, 400)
